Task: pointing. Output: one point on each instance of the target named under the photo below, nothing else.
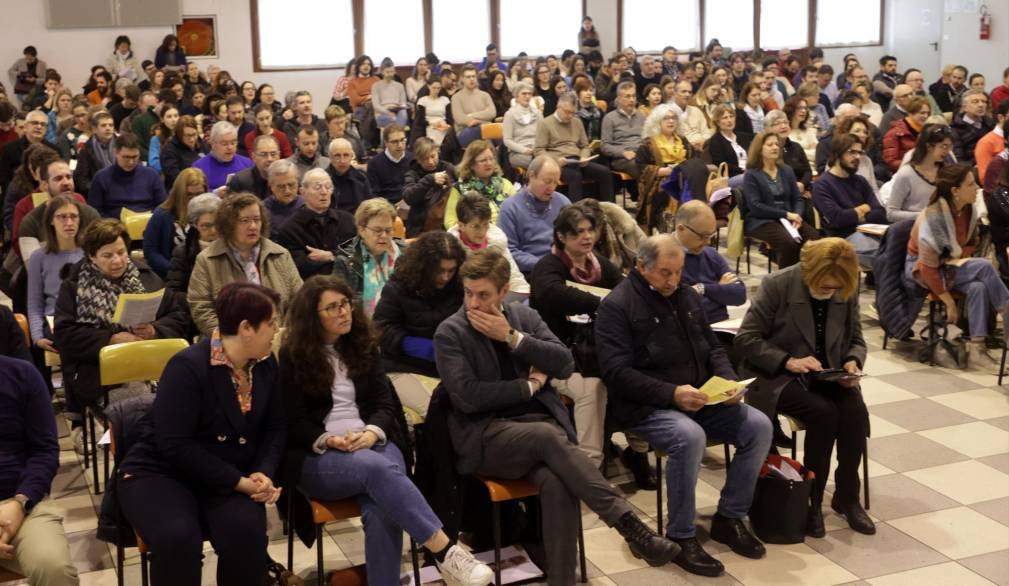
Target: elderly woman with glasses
(367, 261)
(662, 149)
(241, 252)
(479, 171)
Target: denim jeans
(682, 436)
(383, 120)
(980, 283)
(866, 247)
(390, 503)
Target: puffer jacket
(897, 304)
(897, 141)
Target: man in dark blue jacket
(32, 541)
(126, 183)
(655, 351)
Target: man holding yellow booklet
(670, 382)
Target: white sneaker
(460, 567)
(77, 437)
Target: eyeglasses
(206, 226)
(700, 235)
(268, 154)
(336, 308)
(857, 152)
(380, 231)
(327, 187)
(249, 221)
(67, 217)
(42, 123)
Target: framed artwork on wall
(198, 36)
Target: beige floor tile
(105, 578)
(999, 462)
(965, 482)
(606, 549)
(910, 451)
(886, 552)
(956, 533)
(997, 509)
(882, 428)
(918, 414)
(882, 363)
(78, 513)
(993, 566)
(928, 381)
(999, 422)
(946, 574)
(88, 553)
(670, 575)
(786, 564)
(978, 403)
(976, 439)
(877, 392)
(896, 496)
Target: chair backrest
(399, 228)
(137, 361)
(602, 105)
(23, 324)
(123, 418)
(136, 223)
(492, 131)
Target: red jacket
(899, 139)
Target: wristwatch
(699, 287)
(24, 502)
(510, 337)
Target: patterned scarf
(585, 277)
(97, 295)
(494, 191)
(938, 230)
(375, 273)
(241, 377)
(470, 244)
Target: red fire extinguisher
(985, 23)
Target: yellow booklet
(39, 198)
(597, 291)
(430, 383)
(137, 308)
(720, 390)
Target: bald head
(902, 94)
(341, 154)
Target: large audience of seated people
(476, 244)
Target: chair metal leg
(886, 337)
(865, 472)
(415, 562)
(84, 434)
(144, 578)
(120, 563)
(748, 258)
(290, 532)
(1001, 370)
(658, 493)
(581, 548)
(497, 543)
(728, 458)
(795, 445)
(94, 452)
(320, 571)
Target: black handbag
(583, 348)
(780, 506)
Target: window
(539, 27)
(851, 22)
(731, 22)
(783, 23)
(460, 29)
(324, 40)
(650, 26)
(400, 38)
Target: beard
(849, 169)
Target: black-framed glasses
(704, 237)
(336, 308)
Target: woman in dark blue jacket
(170, 56)
(209, 448)
(771, 194)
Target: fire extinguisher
(985, 23)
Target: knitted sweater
(520, 126)
(529, 224)
(113, 189)
(561, 139)
(217, 172)
(44, 285)
(472, 105)
(909, 194)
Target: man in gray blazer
(508, 422)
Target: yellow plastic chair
(492, 131)
(135, 222)
(129, 362)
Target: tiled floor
(939, 469)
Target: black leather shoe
(733, 532)
(695, 560)
(637, 463)
(856, 516)
(646, 544)
(814, 522)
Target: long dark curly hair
(415, 270)
(304, 340)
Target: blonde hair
(464, 169)
(830, 257)
(370, 208)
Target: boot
(644, 543)
(637, 463)
(814, 521)
(979, 358)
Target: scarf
(470, 244)
(494, 191)
(913, 124)
(103, 152)
(672, 151)
(756, 118)
(938, 230)
(241, 375)
(525, 116)
(97, 294)
(375, 273)
(585, 277)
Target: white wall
(73, 51)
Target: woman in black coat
(209, 448)
(348, 435)
(87, 300)
(183, 150)
(426, 187)
(726, 146)
(202, 216)
(423, 291)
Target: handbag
(780, 506)
(734, 240)
(717, 179)
(583, 348)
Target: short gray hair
(315, 174)
(221, 129)
(523, 86)
(773, 117)
(539, 162)
(653, 247)
(205, 203)
(843, 110)
(337, 142)
(568, 99)
(281, 167)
